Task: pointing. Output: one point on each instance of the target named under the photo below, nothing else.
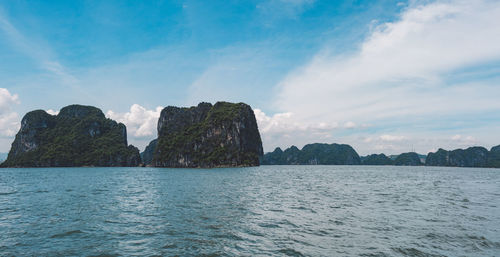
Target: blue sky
(384, 76)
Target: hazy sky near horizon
(383, 76)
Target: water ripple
(264, 211)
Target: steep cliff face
(77, 136)
(470, 157)
(220, 135)
(408, 159)
(313, 154)
(377, 159)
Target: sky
(383, 76)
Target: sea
(259, 211)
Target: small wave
(302, 208)
(69, 233)
(483, 241)
(288, 223)
(377, 254)
(290, 252)
(169, 246)
(112, 222)
(268, 225)
(105, 255)
(8, 193)
(214, 227)
(414, 252)
(229, 236)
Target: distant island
(77, 136)
(206, 136)
(337, 154)
(313, 154)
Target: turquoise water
(266, 211)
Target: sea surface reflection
(268, 210)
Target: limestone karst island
(250, 128)
(204, 136)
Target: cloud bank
(404, 75)
(141, 123)
(9, 119)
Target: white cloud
(7, 100)
(283, 127)
(140, 121)
(350, 125)
(391, 138)
(52, 112)
(9, 119)
(464, 140)
(404, 74)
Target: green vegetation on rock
(77, 136)
(313, 154)
(222, 135)
(494, 157)
(470, 157)
(377, 159)
(408, 159)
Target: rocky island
(471, 157)
(313, 154)
(206, 136)
(377, 159)
(77, 136)
(408, 159)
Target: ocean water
(261, 211)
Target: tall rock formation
(220, 135)
(78, 136)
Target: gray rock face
(470, 157)
(77, 136)
(220, 135)
(31, 125)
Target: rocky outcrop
(220, 135)
(313, 154)
(408, 159)
(470, 157)
(377, 159)
(494, 157)
(77, 136)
